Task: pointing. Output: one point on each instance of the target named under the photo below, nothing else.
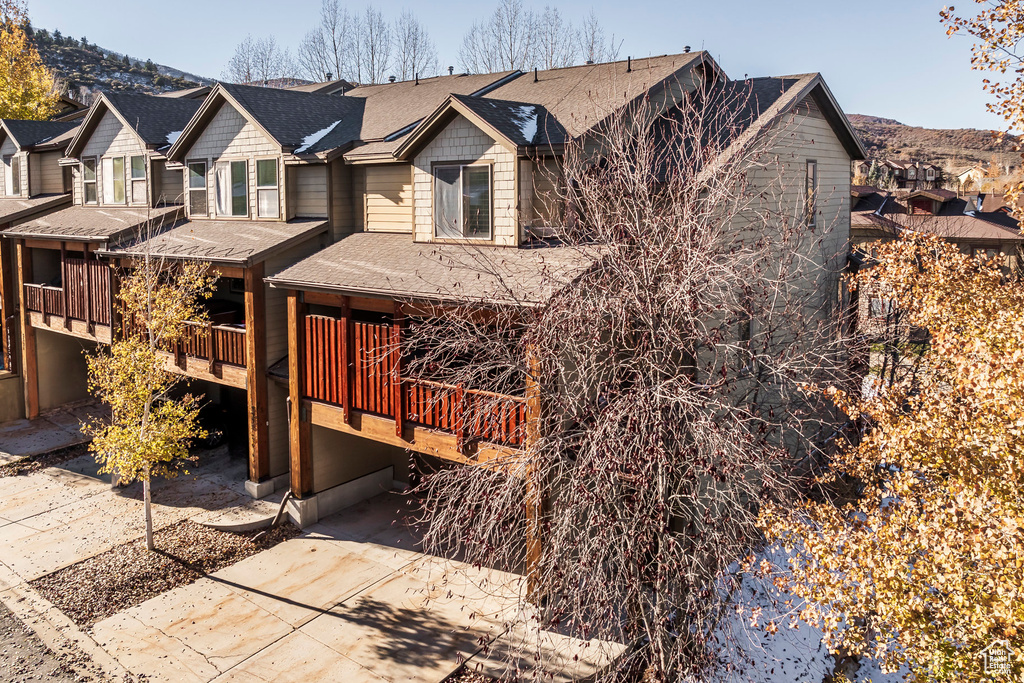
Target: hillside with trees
(85, 67)
(949, 148)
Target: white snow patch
(316, 137)
(527, 122)
(173, 137)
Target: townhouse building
(332, 213)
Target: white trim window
(232, 181)
(198, 204)
(811, 194)
(463, 201)
(12, 176)
(268, 194)
(89, 181)
(138, 171)
(113, 180)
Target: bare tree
(415, 53)
(558, 43)
(503, 42)
(594, 45)
(329, 50)
(665, 384)
(375, 46)
(257, 60)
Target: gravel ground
(24, 658)
(465, 676)
(129, 574)
(34, 463)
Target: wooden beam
(88, 289)
(534, 495)
(75, 328)
(256, 373)
(29, 369)
(359, 303)
(7, 308)
(346, 360)
(64, 288)
(299, 429)
(396, 369)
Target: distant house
(970, 178)
(915, 175)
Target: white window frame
(205, 189)
(216, 187)
(112, 179)
(811, 193)
(275, 188)
(94, 182)
(490, 191)
(143, 180)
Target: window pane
(8, 176)
(446, 202)
(107, 176)
(223, 178)
(138, 167)
(118, 180)
(239, 198)
(139, 192)
(16, 175)
(89, 170)
(268, 204)
(197, 176)
(266, 173)
(476, 201)
(197, 202)
(90, 193)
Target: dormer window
(232, 180)
(89, 181)
(462, 201)
(911, 173)
(810, 193)
(268, 196)
(12, 176)
(113, 180)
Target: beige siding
(388, 198)
(231, 137)
(547, 210)
(112, 139)
(339, 458)
(276, 303)
(310, 193)
(461, 141)
(76, 184)
(51, 175)
(342, 209)
(170, 183)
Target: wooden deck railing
(228, 343)
(85, 295)
(356, 368)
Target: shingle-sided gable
(230, 133)
(111, 137)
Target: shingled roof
(958, 218)
(28, 134)
(14, 209)
(393, 266)
(222, 241)
(151, 117)
(93, 224)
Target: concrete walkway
(351, 599)
(58, 429)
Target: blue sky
(884, 57)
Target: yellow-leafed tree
(28, 90)
(925, 567)
(150, 426)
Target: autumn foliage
(925, 568)
(28, 89)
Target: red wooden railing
(85, 294)
(370, 383)
(228, 342)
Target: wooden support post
(396, 369)
(7, 308)
(209, 345)
(89, 327)
(460, 416)
(64, 284)
(30, 371)
(299, 427)
(346, 361)
(256, 373)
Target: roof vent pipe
(330, 76)
(535, 77)
(590, 61)
(451, 70)
(417, 77)
(686, 49)
(629, 65)
(391, 79)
